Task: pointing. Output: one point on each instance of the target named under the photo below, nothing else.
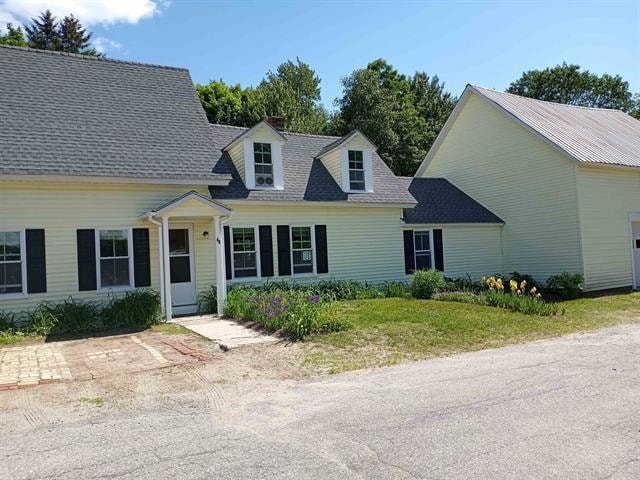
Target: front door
(181, 265)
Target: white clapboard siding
(363, 243)
(523, 180)
(606, 198)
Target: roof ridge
(315, 135)
(91, 57)
(478, 87)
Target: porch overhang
(191, 206)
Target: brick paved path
(28, 365)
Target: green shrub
(527, 304)
(7, 321)
(134, 309)
(568, 285)
(396, 290)
(208, 300)
(425, 283)
(294, 313)
(462, 297)
(328, 290)
(463, 284)
(69, 316)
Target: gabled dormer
(350, 161)
(257, 155)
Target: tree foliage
(291, 92)
(401, 114)
(66, 35)
(572, 85)
(13, 37)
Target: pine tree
(73, 37)
(43, 32)
(13, 37)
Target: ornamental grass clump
(517, 297)
(293, 313)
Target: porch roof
(191, 204)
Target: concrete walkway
(227, 333)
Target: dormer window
(356, 170)
(263, 164)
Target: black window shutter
(284, 251)
(36, 261)
(141, 257)
(409, 258)
(227, 252)
(266, 251)
(322, 258)
(86, 240)
(438, 250)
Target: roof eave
(219, 181)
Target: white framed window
(263, 164)
(303, 251)
(13, 266)
(422, 249)
(114, 258)
(244, 251)
(356, 170)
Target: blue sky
(489, 43)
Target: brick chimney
(276, 122)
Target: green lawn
(388, 331)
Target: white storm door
(184, 298)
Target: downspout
(160, 257)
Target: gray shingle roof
(305, 178)
(590, 135)
(440, 202)
(66, 114)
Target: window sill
(266, 188)
(304, 275)
(245, 280)
(12, 296)
(127, 288)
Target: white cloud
(88, 11)
(104, 45)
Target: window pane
(9, 246)
(106, 245)
(243, 240)
(244, 264)
(303, 261)
(113, 243)
(301, 237)
(10, 277)
(355, 159)
(356, 185)
(422, 241)
(356, 176)
(423, 261)
(179, 241)
(114, 272)
(264, 169)
(180, 269)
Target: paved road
(564, 409)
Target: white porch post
(166, 268)
(221, 270)
(161, 266)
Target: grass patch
(170, 329)
(388, 331)
(97, 401)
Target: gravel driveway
(565, 408)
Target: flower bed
(295, 313)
